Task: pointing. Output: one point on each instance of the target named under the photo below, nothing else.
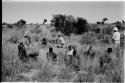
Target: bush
(81, 25)
(67, 24)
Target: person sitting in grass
(69, 55)
(75, 61)
(51, 56)
(44, 42)
(90, 53)
(61, 41)
(70, 50)
(27, 41)
(105, 59)
(22, 52)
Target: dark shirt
(21, 49)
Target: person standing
(116, 37)
(116, 40)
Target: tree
(68, 24)
(81, 25)
(21, 23)
(45, 20)
(63, 23)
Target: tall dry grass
(12, 67)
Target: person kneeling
(51, 56)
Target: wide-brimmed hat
(115, 29)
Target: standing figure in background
(116, 40)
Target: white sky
(35, 12)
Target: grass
(12, 67)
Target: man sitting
(61, 41)
(105, 59)
(69, 55)
(70, 50)
(22, 52)
(75, 61)
(27, 42)
(90, 53)
(44, 42)
(51, 56)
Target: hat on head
(115, 29)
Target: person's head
(115, 29)
(70, 47)
(90, 47)
(59, 35)
(109, 50)
(25, 36)
(50, 49)
(21, 43)
(44, 39)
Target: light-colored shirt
(62, 40)
(70, 52)
(116, 36)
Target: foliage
(21, 23)
(119, 25)
(67, 24)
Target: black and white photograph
(63, 41)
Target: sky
(35, 12)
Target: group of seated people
(71, 59)
(22, 50)
(26, 44)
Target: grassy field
(43, 71)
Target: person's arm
(113, 37)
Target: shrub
(21, 23)
(81, 25)
(67, 24)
